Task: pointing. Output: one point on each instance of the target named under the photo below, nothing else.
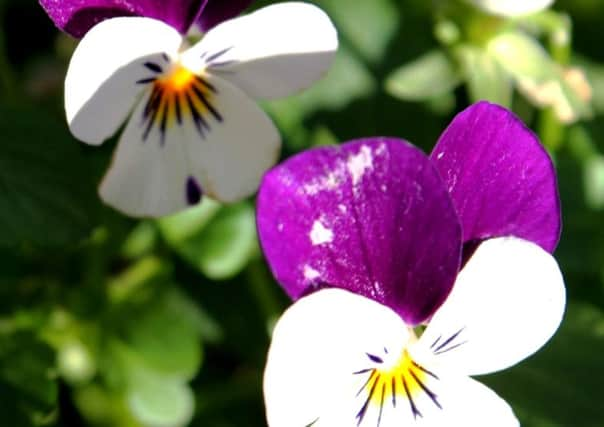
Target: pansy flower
(192, 126)
(373, 238)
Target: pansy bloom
(374, 238)
(192, 126)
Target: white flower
(192, 126)
(511, 8)
(339, 359)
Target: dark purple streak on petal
(217, 11)
(76, 17)
(501, 179)
(371, 216)
(193, 191)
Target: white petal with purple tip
(101, 83)
(270, 53)
(506, 304)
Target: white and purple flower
(374, 238)
(192, 125)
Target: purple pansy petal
(217, 11)
(371, 216)
(501, 179)
(76, 17)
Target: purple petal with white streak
(371, 216)
(501, 179)
(217, 11)
(76, 17)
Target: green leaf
(431, 75)
(165, 339)
(47, 189)
(560, 385)
(160, 402)
(537, 76)
(220, 245)
(485, 78)
(367, 25)
(28, 391)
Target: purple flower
(386, 226)
(76, 17)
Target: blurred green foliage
(110, 321)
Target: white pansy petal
(107, 72)
(319, 359)
(511, 8)
(506, 303)
(189, 136)
(468, 403)
(270, 53)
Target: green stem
(551, 130)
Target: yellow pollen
(179, 79)
(406, 379)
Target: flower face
(192, 126)
(76, 17)
(374, 231)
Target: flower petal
(217, 11)
(270, 53)
(103, 80)
(511, 8)
(317, 346)
(506, 304)
(466, 402)
(502, 181)
(77, 17)
(335, 360)
(371, 216)
(218, 143)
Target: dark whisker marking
(414, 409)
(152, 66)
(145, 81)
(164, 120)
(450, 348)
(153, 102)
(218, 54)
(207, 104)
(436, 342)
(203, 54)
(451, 338)
(381, 404)
(421, 368)
(200, 122)
(362, 371)
(374, 358)
(394, 391)
(177, 110)
(206, 83)
(363, 410)
(429, 392)
(150, 114)
(165, 57)
(223, 63)
(366, 382)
